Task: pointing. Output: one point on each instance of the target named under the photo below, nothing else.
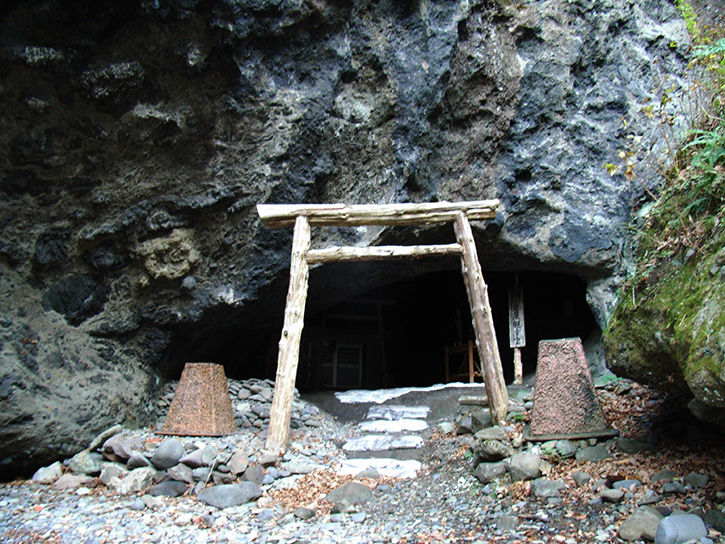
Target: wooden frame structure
(303, 216)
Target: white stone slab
(394, 412)
(393, 426)
(382, 442)
(392, 468)
(379, 396)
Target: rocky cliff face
(137, 138)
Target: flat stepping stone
(395, 412)
(393, 426)
(382, 442)
(387, 467)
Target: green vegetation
(669, 325)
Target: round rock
(168, 454)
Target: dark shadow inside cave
(393, 335)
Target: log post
(482, 321)
(289, 343)
(518, 367)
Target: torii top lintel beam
(277, 216)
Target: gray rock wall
(136, 139)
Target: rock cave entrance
(395, 335)
(418, 317)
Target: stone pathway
(388, 441)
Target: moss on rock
(668, 329)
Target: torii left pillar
(289, 343)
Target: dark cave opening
(393, 335)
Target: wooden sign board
(517, 330)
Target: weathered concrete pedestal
(201, 404)
(565, 403)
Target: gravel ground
(445, 503)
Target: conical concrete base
(565, 403)
(201, 404)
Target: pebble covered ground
(583, 491)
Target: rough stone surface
(564, 397)
(168, 488)
(121, 181)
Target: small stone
(137, 460)
(49, 474)
(446, 427)
(86, 462)
(304, 513)
(697, 480)
(368, 473)
(664, 475)
(715, 519)
(181, 473)
(122, 445)
(641, 524)
(592, 454)
(611, 495)
(168, 488)
(631, 445)
(492, 433)
(188, 283)
(488, 472)
(71, 481)
(266, 459)
(229, 495)
(543, 488)
(679, 528)
(193, 459)
(673, 487)
(480, 419)
(627, 484)
(358, 517)
(152, 502)
(222, 477)
(525, 466)
(238, 462)
(138, 505)
(135, 481)
(110, 471)
(254, 473)
(507, 523)
(580, 478)
(352, 492)
(566, 448)
(208, 455)
(103, 436)
(494, 450)
(201, 473)
(168, 454)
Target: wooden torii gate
(303, 216)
